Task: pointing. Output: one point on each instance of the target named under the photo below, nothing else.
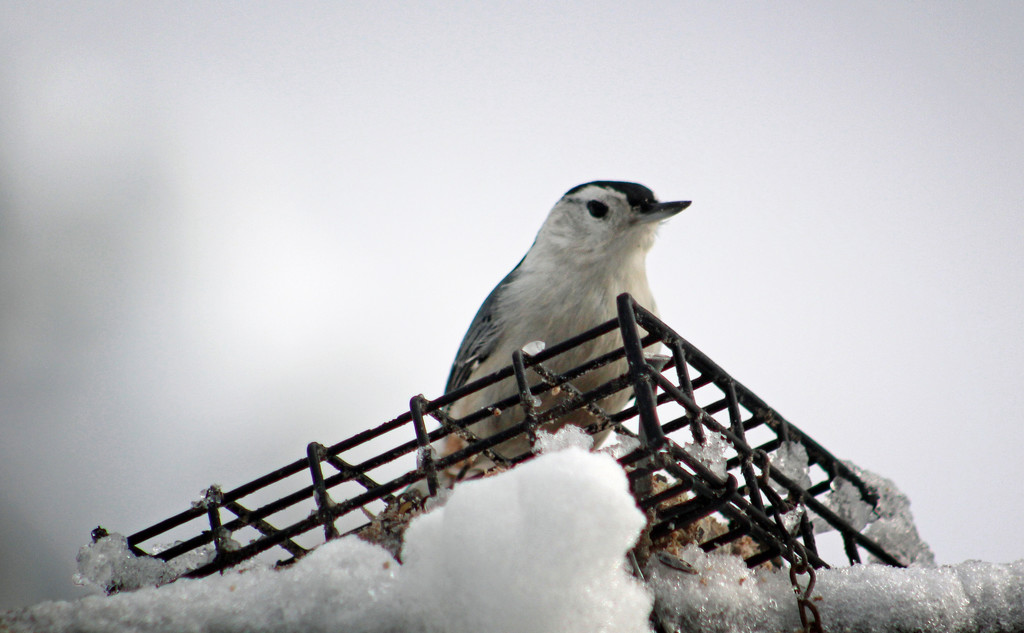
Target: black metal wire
(692, 492)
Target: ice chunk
(210, 497)
(108, 565)
(845, 500)
(533, 347)
(898, 536)
(621, 446)
(890, 522)
(791, 520)
(712, 453)
(188, 561)
(790, 459)
(568, 436)
(894, 529)
(222, 536)
(423, 454)
(656, 360)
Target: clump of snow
(108, 565)
(538, 548)
(541, 548)
(712, 453)
(569, 436)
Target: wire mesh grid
(682, 404)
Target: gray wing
(482, 337)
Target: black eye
(597, 208)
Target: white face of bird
(606, 219)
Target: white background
(226, 231)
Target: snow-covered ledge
(539, 548)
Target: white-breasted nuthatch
(592, 247)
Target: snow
(724, 595)
(539, 548)
(341, 586)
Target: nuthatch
(591, 248)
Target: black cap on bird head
(636, 195)
(646, 207)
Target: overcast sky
(229, 230)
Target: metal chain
(810, 618)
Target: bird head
(605, 219)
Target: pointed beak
(660, 211)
